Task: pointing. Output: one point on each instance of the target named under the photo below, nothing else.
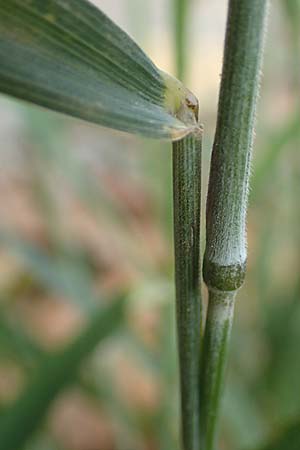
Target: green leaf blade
(68, 56)
(56, 371)
(288, 438)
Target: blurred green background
(86, 217)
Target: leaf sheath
(186, 192)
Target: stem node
(224, 278)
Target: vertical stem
(186, 193)
(180, 19)
(215, 350)
(187, 205)
(225, 253)
(230, 165)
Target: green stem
(215, 350)
(180, 21)
(225, 253)
(186, 192)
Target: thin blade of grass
(15, 342)
(68, 56)
(287, 439)
(64, 276)
(54, 374)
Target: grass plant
(225, 254)
(68, 56)
(187, 194)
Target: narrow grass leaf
(287, 439)
(63, 276)
(15, 342)
(54, 374)
(68, 56)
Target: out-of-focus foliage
(53, 374)
(289, 438)
(86, 213)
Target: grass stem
(186, 193)
(215, 350)
(225, 253)
(180, 28)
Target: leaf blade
(68, 56)
(57, 370)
